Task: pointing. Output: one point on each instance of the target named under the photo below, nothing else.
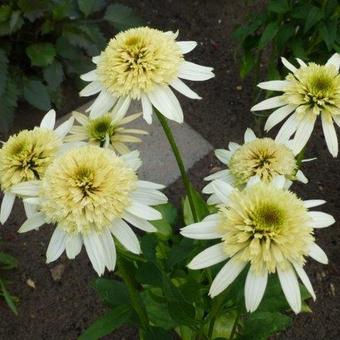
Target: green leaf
(149, 244)
(54, 75)
(87, 6)
(149, 274)
(8, 298)
(286, 32)
(243, 31)
(331, 8)
(278, 6)
(7, 261)
(3, 71)
(41, 54)
(156, 333)
(33, 9)
(107, 323)
(66, 9)
(314, 16)
(328, 33)
(269, 34)
(35, 92)
(248, 62)
(181, 251)
(200, 205)
(5, 13)
(298, 48)
(8, 102)
(122, 17)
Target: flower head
(89, 193)
(106, 130)
(141, 63)
(26, 156)
(264, 158)
(267, 227)
(308, 92)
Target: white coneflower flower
(26, 155)
(106, 130)
(257, 157)
(90, 193)
(308, 92)
(142, 63)
(264, 226)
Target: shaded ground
(61, 310)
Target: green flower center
(268, 218)
(101, 127)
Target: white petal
(181, 87)
(6, 206)
(120, 108)
(194, 72)
(164, 100)
(147, 108)
(226, 276)
(63, 129)
(317, 254)
(213, 200)
(301, 62)
(223, 155)
(249, 135)
(29, 188)
(233, 146)
(109, 249)
(288, 65)
(149, 197)
(254, 289)
(150, 185)
(186, 46)
(143, 211)
(80, 117)
(96, 59)
(102, 104)
(278, 116)
(253, 180)
(269, 103)
(204, 230)
(73, 245)
(139, 223)
(89, 76)
(313, 203)
(301, 177)
(303, 133)
(274, 85)
(330, 135)
(132, 159)
(95, 252)
(33, 222)
(57, 245)
(223, 175)
(321, 219)
(125, 236)
(290, 287)
(305, 279)
(288, 128)
(222, 190)
(30, 209)
(334, 60)
(279, 181)
(91, 89)
(48, 121)
(208, 257)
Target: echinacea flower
(90, 193)
(106, 130)
(266, 227)
(26, 156)
(264, 158)
(309, 91)
(142, 63)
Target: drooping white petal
(181, 87)
(164, 100)
(274, 85)
(63, 129)
(89, 76)
(321, 219)
(254, 289)
(125, 236)
(48, 121)
(213, 200)
(186, 46)
(318, 254)
(330, 135)
(120, 108)
(249, 135)
(149, 197)
(143, 211)
(73, 245)
(313, 203)
(149, 185)
(57, 245)
(147, 108)
(278, 116)
(194, 72)
(29, 188)
(109, 249)
(95, 252)
(301, 177)
(139, 223)
(132, 159)
(222, 190)
(223, 175)
(279, 181)
(6, 206)
(290, 287)
(303, 133)
(288, 129)
(223, 155)
(80, 117)
(208, 257)
(226, 276)
(30, 209)
(305, 279)
(269, 103)
(102, 104)
(334, 60)
(33, 222)
(91, 89)
(288, 65)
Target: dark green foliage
(43, 42)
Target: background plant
(46, 42)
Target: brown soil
(63, 309)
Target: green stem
(135, 299)
(233, 331)
(179, 160)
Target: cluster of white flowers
(83, 178)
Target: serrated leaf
(122, 17)
(87, 6)
(35, 92)
(41, 54)
(54, 75)
(278, 6)
(314, 16)
(268, 34)
(107, 323)
(33, 9)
